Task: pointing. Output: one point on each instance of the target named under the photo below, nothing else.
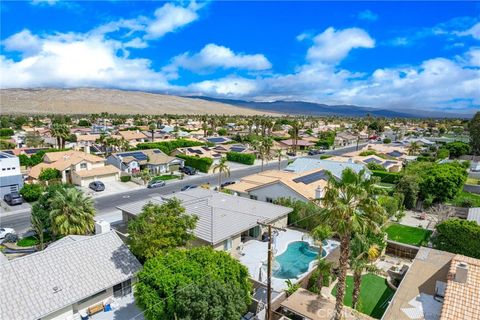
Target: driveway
(112, 187)
(5, 209)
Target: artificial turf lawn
(374, 295)
(408, 235)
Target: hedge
(169, 146)
(245, 158)
(31, 192)
(125, 178)
(458, 236)
(202, 164)
(387, 177)
(6, 132)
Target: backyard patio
(299, 259)
(122, 308)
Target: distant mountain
(319, 109)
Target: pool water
(295, 260)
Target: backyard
(374, 295)
(408, 235)
(463, 198)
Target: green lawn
(374, 295)
(473, 181)
(166, 177)
(472, 198)
(409, 235)
(32, 241)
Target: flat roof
(221, 215)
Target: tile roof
(301, 143)
(77, 270)
(462, 300)
(221, 216)
(132, 135)
(289, 179)
(100, 171)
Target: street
(106, 205)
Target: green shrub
(458, 148)
(387, 177)
(222, 132)
(387, 140)
(6, 132)
(31, 192)
(202, 164)
(458, 236)
(245, 158)
(48, 174)
(375, 167)
(125, 178)
(367, 153)
(325, 156)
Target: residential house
(343, 139)
(67, 278)
(224, 221)
(388, 164)
(133, 137)
(438, 285)
(11, 179)
(302, 165)
(218, 140)
(26, 151)
(394, 151)
(154, 160)
(301, 144)
(202, 152)
(77, 167)
(87, 139)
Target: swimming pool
(295, 260)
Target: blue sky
(394, 55)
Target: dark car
(13, 198)
(156, 184)
(188, 188)
(291, 154)
(227, 183)
(315, 152)
(188, 170)
(97, 186)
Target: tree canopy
(474, 130)
(160, 227)
(458, 236)
(199, 283)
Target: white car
(5, 231)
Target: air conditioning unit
(102, 226)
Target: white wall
(9, 167)
(63, 314)
(276, 191)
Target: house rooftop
(38, 284)
(220, 215)
(335, 167)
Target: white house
(11, 179)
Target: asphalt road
(105, 205)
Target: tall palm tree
(363, 253)
(279, 155)
(152, 127)
(221, 167)
(61, 132)
(349, 207)
(413, 148)
(71, 212)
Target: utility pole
(269, 267)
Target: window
(122, 289)
(83, 166)
(227, 244)
(253, 197)
(254, 232)
(270, 200)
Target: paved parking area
(112, 187)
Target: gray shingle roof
(335, 167)
(78, 269)
(221, 216)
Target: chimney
(102, 226)
(86, 148)
(318, 192)
(461, 274)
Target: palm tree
(222, 167)
(61, 132)
(71, 212)
(320, 234)
(151, 127)
(38, 227)
(413, 148)
(363, 253)
(349, 207)
(279, 156)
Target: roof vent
(56, 289)
(461, 273)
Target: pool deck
(255, 253)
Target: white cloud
(213, 57)
(47, 2)
(169, 18)
(473, 56)
(474, 31)
(332, 46)
(24, 42)
(228, 87)
(367, 15)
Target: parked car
(97, 186)
(227, 183)
(291, 154)
(156, 184)
(314, 152)
(188, 187)
(188, 170)
(13, 198)
(5, 231)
